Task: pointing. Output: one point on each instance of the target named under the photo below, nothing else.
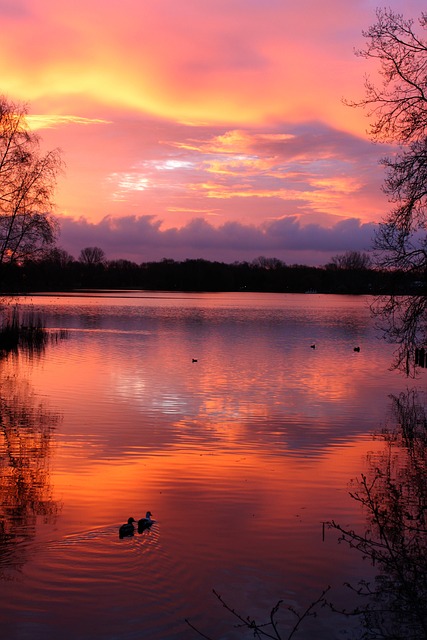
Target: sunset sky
(203, 128)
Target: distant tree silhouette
(59, 271)
(355, 260)
(267, 263)
(92, 255)
(59, 257)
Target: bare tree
(351, 260)
(27, 182)
(270, 628)
(59, 257)
(92, 255)
(268, 263)
(398, 110)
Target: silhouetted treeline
(263, 274)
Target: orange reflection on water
(275, 487)
(240, 456)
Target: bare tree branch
(27, 182)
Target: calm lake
(240, 456)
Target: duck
(127, 528)
(356, 349)
(146, 522)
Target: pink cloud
(171, 170)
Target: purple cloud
(141, 239)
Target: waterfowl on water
(356, 349)
(127, 529)
(313, 346)
(146, 522)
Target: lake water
(240, 456)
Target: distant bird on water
(127, 529)
(313, 346)
(146, 522)
(356, 349)
(194, 360)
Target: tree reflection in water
(26, 428)
(394, 496)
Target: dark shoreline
(204, 276)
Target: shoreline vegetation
(261, 275)
(26, 333)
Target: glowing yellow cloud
(238, 166)
(217, 190)
(43, 121)
(234, 142)
(213, 64)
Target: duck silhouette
(145, 523)
(127, 529)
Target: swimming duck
(127, 529)
(146, 522)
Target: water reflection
(241, 456)
(26, 428)
(394, 497)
